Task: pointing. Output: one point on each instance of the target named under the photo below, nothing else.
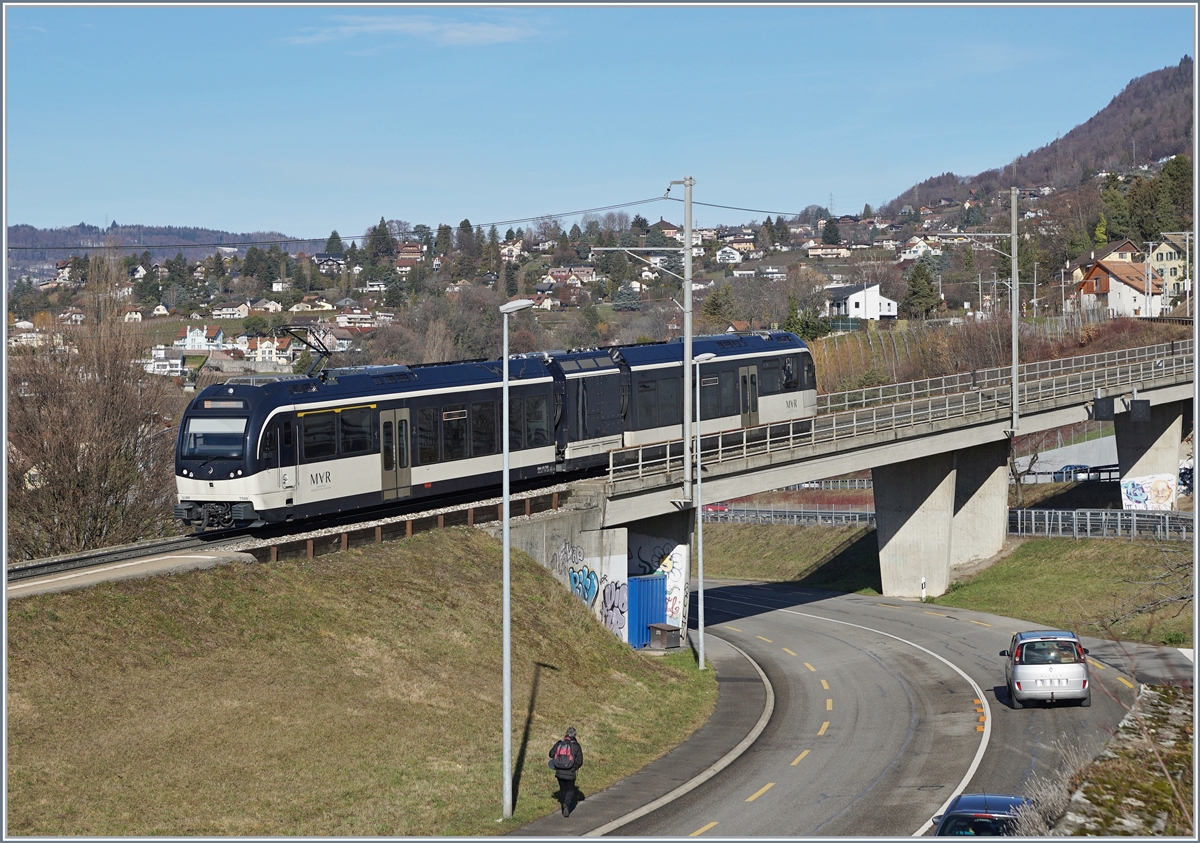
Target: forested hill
(163, 241)
(1148, 121)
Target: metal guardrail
(1102, 523)
(666, 457)
(1077, 524)
(995, 377)
(840, 483)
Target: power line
(320, 239)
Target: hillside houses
(1122, 288)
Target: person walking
(566, 756)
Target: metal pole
(1187, 274)
(1063, 288)
(1016, 303)
(687, 334)
(507, 700)
(981, 293)
(1035, 289)
(1149, 251)
(699, 522)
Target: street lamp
(698, 359)
(506, 309)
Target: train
(265, 449)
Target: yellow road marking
(978, 728)
(824, 726)
(734, 628)
(982, 719)
(888, 605)
(789, 652)
(800, 757)
(829, 705)
(810, 667)
(981, 623)
(977, 702)
(1125, 681)
(824, 684)
(760, 638)
(700, 831)
(979, 711)
(939, 614)
(1095, 664)
(763, 790)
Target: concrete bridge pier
(1150, 444)
(596, 562)
(938, 511)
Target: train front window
(210, 438)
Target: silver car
(1046, 665)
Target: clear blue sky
(308, 119)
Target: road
(884, 709)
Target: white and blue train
(268, 449)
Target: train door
(393, 453)
(748, 380)
(288, 462)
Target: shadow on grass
(1088, 494)
(852, 567)
(520, 760)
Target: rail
(994, 377)
(666, 457)
(1052, 523)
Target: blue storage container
(647, 605)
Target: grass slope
(356, 694)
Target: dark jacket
(577, 752)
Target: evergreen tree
(444, 244)
(831, 236)
(509, 236)
(395, 295)
(333, 246)
(1101, 236)
(867, 212)
(719, 304)
(510, 279)
(424, 236)
(921, 298)
(464, 239)
(639, 225)
(626, 299)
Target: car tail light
(1085, 684)
(1018, 684)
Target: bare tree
(90, 435)
(546, 228)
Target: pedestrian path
(744, 704)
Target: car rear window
(970, 824)
(1049, 652)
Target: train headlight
(231, 475)
(239, 472)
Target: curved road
(878, 718)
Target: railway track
(269, 534)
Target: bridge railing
(1077, 524)
(666, 457)
(994, 377)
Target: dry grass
(357, 694)
(834, 558)
(1079, 585)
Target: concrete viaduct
(939, 463)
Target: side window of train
(710, 397)
(670, 404)
(402, 441)
(355, 431)
(516, 423)
(389, 453)
(647, 404)
(454, 431)
(319, 436)
(768, 376)
(537, 421)
(729, 393)
(427, 435)
(483, 428)
(268, 443)
(288, 441)
(810, 373)
(791, 373)
(575, 390)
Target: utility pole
(981, 292)
(1016, 312)
(1062, 285)
(1149, 273)
(1035, 289)
(687, 183)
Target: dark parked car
(1071, 473)
(986, 814)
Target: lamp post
(687, 183)
(506, 309)
(698, 359)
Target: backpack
(564, 756)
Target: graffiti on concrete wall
(1154, 491)
(567, 556)
(585, 584)
(662, 556)
(614, 606)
